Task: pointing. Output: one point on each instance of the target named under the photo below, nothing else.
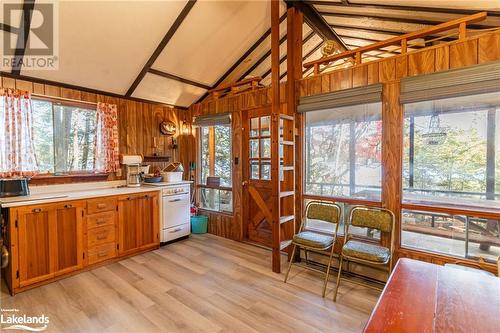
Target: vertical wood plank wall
(138, 122)
(475, 50)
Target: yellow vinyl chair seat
(313, 240)
(366, 251)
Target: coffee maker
(134, 175)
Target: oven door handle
(175, 200)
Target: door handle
(244, 183)
(175, 200)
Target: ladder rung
(286, 218)
(285, 244)
(287, 117)
(286, 194)
(287, 168)
(287, 143)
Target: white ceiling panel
(157, 88)
(213, 36)
(258, 53)
(104, 44)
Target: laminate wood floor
(202, 284)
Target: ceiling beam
(168, 36)
(317, 22)
(85, 89)
(394, 19)
(384, 31)
(178, 78)
(411, 8)
(22, 36)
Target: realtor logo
(30, 38)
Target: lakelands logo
(33, 40)
(10, 319)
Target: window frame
(200, 185)
(68, 176)
(343, 199)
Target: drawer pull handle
(36, 210)
(175, 200)
(146, 196)
(175, 230)
(102, 254)
(68, 206)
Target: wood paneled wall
(138, 122)
(474, 50)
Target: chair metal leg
(338, 280)
(327, 272)
(291, 262)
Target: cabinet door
(148, 223)
(37, 244)
(69, 231)
(129, 216)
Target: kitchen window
(64, 136)
(215, 162)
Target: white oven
(176, 212)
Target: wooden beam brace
(168, 36)
(317, 22)
(178, 78)
(22, 36)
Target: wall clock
(167, 128)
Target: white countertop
(68, 192)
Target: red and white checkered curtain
(17, 150)
(106, 151)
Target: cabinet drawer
(101, 253)
(101, 235)
(101, 205)
(100, 219)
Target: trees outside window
(63, 137)
(215, 161)
(343, 152)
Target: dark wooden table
(423, 297)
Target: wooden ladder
(283, 187)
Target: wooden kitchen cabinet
(69, 237)
(50, 239)
(37, 236)
(138, 222)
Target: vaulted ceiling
(173, 52)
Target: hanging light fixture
(435, 134)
